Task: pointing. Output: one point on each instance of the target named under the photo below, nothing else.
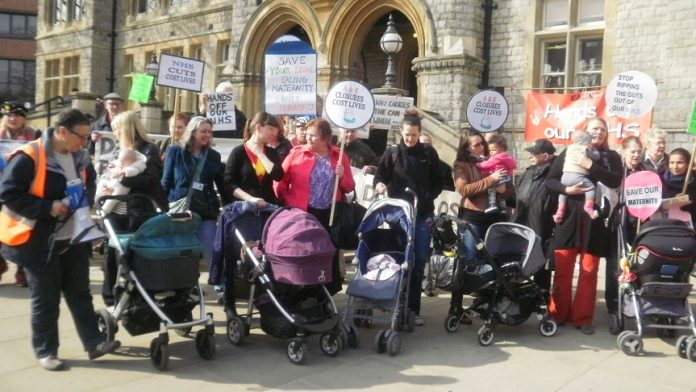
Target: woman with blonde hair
(193, 163)
(130, 133)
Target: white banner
(220, 110)
(389, 111)
(448, 201)
(103, 151)
(180, 72)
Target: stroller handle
(129, 197)
(415, 197)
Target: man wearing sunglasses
(36, 229)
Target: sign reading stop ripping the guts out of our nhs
(180, 72)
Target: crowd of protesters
(295, 163)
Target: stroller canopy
(292, 233)
(395, 212)
(514, 239)
(163, 232)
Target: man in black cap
(113, 105)
(534, 203)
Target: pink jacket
(501, 160)
(293, 190)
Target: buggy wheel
(159, 354)
(394, 344)
(330, 343)
(296, 351)
(615, 326)
(452, 323)
(410, 321)
(106, 323)
(681, 345)
(236, 330)
(630, 343)
(187, 330)
(205, 344)
(691, 349)
(381, 341)
(485, 335)
(548, 327)
(353, 338)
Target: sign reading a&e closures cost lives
(487, 110)
(349, 105)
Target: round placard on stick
(349, 105)
(631, 94)
(487, 110)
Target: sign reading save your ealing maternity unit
(487, 110)
(349, 105)
(180, 72)
(291, 77)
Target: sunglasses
(477, 145)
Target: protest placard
(389, 111)
(691, 128)
(349, 105)
(291, 77)
(643, 194)
(140, 90)
(487, 110)
(631, 94)
(103, 151)
(220, 110)
(180, 72)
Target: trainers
(21, 279)
(103, 348)
(51, 363)
(419, 321)
(587, 329)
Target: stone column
(151, 116)
(445, 84)
(84, 102)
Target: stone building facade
(442, 63)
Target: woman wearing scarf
(673, 179)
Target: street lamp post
(152, 68)
(391, 44)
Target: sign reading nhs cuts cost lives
(631, 94)
(291, 77)
(487, 110)
(349, 105)
(389, 111)
(180, 72)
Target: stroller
(386, 235)
(663, 257)
(501, 283)
(290, 269)
(157, 285)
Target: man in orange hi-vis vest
(44, 182)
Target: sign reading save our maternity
(643, 193)
(180, 72)
(291, 77)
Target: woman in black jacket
(130, 132)
(578, 234)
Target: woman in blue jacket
(193, 163)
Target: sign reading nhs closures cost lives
(487, 110)
(291, 77)
(349, 105)
(180, 72)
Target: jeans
(421, 250)
(468, 240)
(207, 236)
(66, 272)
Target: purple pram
(290, 268)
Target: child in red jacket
(499, 159)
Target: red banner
(556, 116)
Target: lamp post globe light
(152, 68)
(391, 44)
